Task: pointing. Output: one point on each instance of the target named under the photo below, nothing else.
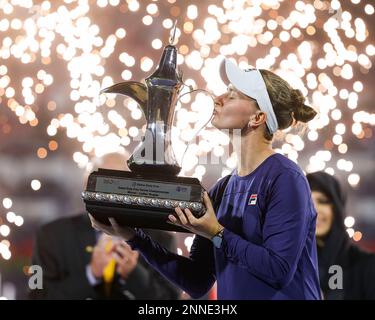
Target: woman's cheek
(233, 123)
(234, 118)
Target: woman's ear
(262, 117)
(257, 119)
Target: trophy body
(146, 196)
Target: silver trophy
(145, 196)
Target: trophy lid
(167, 68)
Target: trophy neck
(155, 154)
(167, 69)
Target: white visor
(250, 82)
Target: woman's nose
(219, 101)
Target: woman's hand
(126, 233)
(206, 226)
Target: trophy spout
(133, 89)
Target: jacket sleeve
(285, 229)
(145, 282)
(194, 274)
(164, 289)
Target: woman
(259, 243)
(334, 247)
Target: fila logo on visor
(253, 200)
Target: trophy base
(135, 218)
(141, 200)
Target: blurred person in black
(334, 245)
(79, 262)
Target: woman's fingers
(100, 226)
(176, 222)
(122, 231)
(181, 216)
(172, 218)
(93, 221)
(186, 217)
(114, 225)
(119, 231)
(192, 220)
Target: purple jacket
(268, 249)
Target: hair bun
(301, 111)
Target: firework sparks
(320, 47)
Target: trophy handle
(133, 89)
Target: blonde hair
(288, 103)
